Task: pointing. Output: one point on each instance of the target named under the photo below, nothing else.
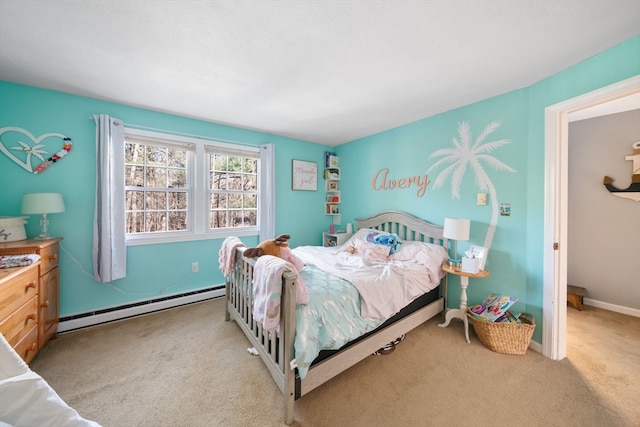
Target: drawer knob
(31, 285)
(31, 316)
(32, 347)
(45, 304)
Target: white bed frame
(277, 352)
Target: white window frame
(198, 205)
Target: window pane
(218, 219)
(157, 177)
(250, 183)
(177, 200)
(235, 181)
(219, 162)
(235, 201)
(134, 200)
(250, 200)
(134, 153)
(250, 166)
(218, 201)
(240, 218)
(177, 178)
(177, 221)
(156, 156)
(177, 158)
(235, 164)
(155, 221)
(134, 176)
(252, 216)
(135, 222)
(219, 181)
(156, 200)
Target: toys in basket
(499, 329)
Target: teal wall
(515, 258)
(516, 254)
(153, 270)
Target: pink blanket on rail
(227, 254)
(267, 290)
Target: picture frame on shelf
(304, 175)
(332, 174)
(479, 252)
(332, 209)
(333, 186)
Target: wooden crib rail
(275, 349)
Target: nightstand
(335, 239)
(461, 313)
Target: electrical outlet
(194, 267)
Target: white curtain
(267, 220)
(109, 247)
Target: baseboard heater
(92, 318)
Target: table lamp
(456, 229)
(42, 203)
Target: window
(179, 188)
(157, 186)
(233, 182)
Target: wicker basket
(505, 338)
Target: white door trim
(554, 325)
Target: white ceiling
(322, 71)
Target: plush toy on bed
(385, 239)
(269, 247)
(278, 247)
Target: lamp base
(454, 262)
(44, 237)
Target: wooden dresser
(47, 281)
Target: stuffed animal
(279, 247)
(385, 239)
(269, 247)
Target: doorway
(554, 332)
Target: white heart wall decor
(34, 147)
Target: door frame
(554, 325)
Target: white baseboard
(535, 346)
(84, 320)
(611, 307)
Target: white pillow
(429, 255)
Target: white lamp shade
(456, 228)
(39, 203)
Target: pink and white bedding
(354, 288)
(386, 282)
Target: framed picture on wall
(304, 175)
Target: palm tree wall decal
(463, 154)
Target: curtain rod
(184, 134)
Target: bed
(278, 349)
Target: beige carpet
(188, 367)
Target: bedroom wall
(153, 270)
(515, 258)
(610, 267)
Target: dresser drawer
(48, 258)
(18, 324)
(27, 347)
(16, 291)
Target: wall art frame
(304, 175)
